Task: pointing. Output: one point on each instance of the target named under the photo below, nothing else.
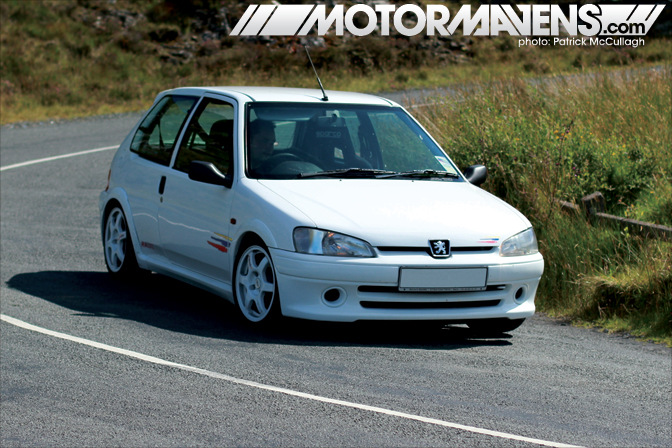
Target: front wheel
(118, 246)
(255, 285)
(493, 326)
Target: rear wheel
(495, 325)
(255, 285)
(118, 246)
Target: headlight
(324, 242)
(524, 243)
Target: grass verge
(563, 140)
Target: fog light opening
(334, 296)
(519, 296)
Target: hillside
(70, 58)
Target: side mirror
(476, 174)
(207, 173)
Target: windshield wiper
(421, 173)
(348, 172)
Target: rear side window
(209, 137)
(158, 133)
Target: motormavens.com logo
(599, 21)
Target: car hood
(401, 212)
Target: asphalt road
(335, 384)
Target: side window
(157, 135)
(209, 137)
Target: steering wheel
(306, 157)
(273, 161)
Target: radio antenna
(325, 98)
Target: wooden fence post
(594, 209)
(593, 204)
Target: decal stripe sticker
(223, 239)
(218, 247)
(225, 243)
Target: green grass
(564, 140)
(636, 298)
(608, 132)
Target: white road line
(294, 393)
(64, 156)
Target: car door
(145, 174)
(194, 216)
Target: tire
(255, 285)
(495, 326)
(118, 246)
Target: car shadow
(172, 305)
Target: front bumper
(348, 289)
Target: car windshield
(298, 141)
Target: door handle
(162, 184)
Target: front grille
(429, 305)
(425, 250)
(395, 289)
(472, 249)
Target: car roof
(245, 94)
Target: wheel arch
(245, 240)
(255, 229)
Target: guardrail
(592, 207)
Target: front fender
(257, 227)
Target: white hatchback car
(335, 207)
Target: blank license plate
(442, 279)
